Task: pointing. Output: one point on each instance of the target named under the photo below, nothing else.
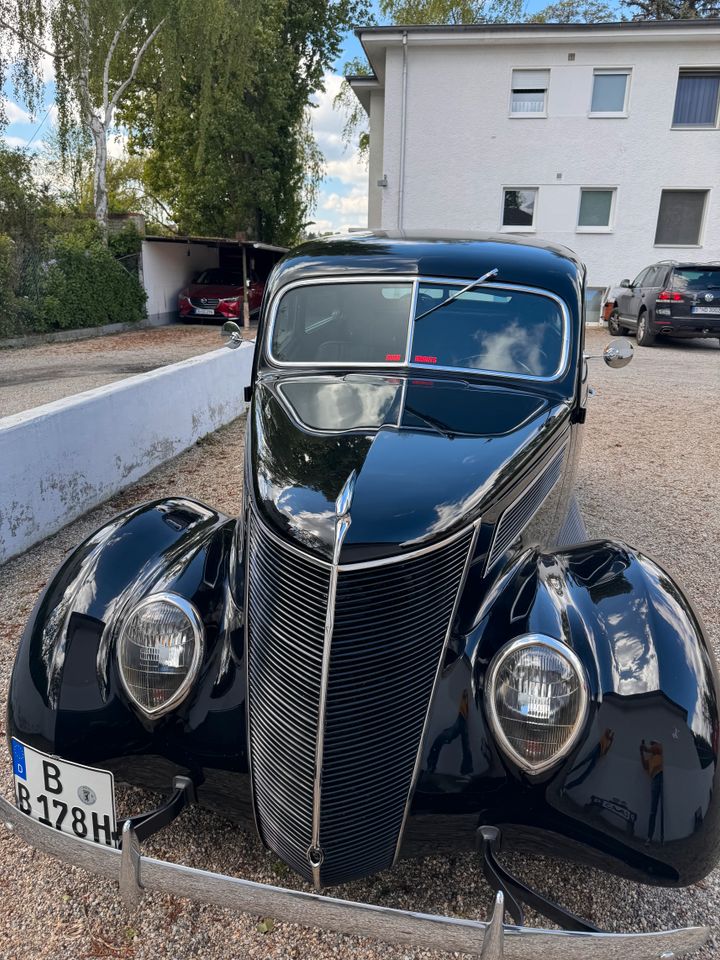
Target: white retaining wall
(59, 460)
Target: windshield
(489, 328)
(696, 278)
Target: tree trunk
(100, 193)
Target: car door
(629, 301)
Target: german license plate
(65, 796)
(206, 311)
(706, 309)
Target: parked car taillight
(669, 295)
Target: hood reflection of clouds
(337, 406)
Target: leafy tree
(100, 49)
(451, 11)
(355, 122)
(576, 11)
(253, 166)
(671, 9)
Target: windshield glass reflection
(491, 328)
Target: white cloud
(11, 141)
(343, 194)
(355, 202)
(15, 112)
(117, 146)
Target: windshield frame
(415, 281)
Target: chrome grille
(518, 515)
(389, 627)
(204, 303)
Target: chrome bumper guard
(490, 941)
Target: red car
(218, 294)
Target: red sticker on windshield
(421, 359)
(392, 357)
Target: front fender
(65, 694)
(653, 686)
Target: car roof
(441, 254)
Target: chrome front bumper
(491, 940)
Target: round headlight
(536, 697)
(159, 651)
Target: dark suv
(669, 298)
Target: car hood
(426, 456)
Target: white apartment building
(602, 137)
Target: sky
(342, 199)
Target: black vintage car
(405, 644)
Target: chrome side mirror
(618, 353)
(231, 330)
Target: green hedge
(79, 284)
(86, 287)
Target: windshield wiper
(486, 276)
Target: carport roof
(218, 242)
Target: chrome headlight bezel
(569, 655)
(198, 629)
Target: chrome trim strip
(411, 324)
(567, 653)
(392, 278)
(418, 758)
(320, 740)
(363, 564)
(559, 454)
(246, 671)
(416, 930)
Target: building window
(529, 93)
(519, 208)
(680, 218)
(696, 100)
(596, 208)
(610, 92)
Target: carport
(171, 263)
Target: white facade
(445, 143)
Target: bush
(14, 312)
(126, 242)
(86, 287)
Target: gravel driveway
(30, 376)
(649, 475)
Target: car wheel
(614, 325)
(645, 336)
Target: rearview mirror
(231, 330)
(625, 283)
(618, 353)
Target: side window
(639, 280)
(655, 277)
